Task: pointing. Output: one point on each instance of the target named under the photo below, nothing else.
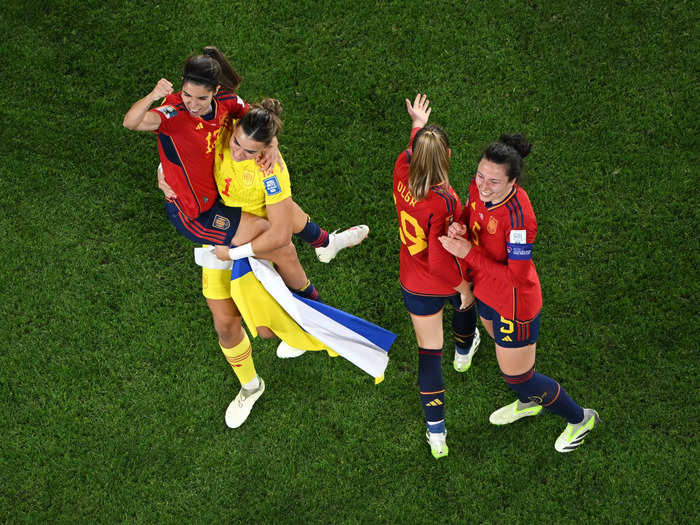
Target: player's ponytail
(262, 123)
(430, 161)
(229, 77)
(211, 69)
(511, 150)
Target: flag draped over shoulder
(264, 300)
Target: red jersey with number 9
(186, 148)
(502, 236)
(425, 266)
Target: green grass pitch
(112, 387)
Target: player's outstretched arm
(138, 118)
(419, 111)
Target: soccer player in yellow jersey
(242, 183)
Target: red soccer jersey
(425, 267)
(186, 148)
(501, 256)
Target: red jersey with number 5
(425, 266)
(186, 148)
(502, 236)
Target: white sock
(253, 384)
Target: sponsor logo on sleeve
(272, 186)
(517, 236)
(167, 111)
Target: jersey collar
(210, 116)
(492, 206)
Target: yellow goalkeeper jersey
(243, 184)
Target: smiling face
(492, 181)
(197, 98)
(243, 147)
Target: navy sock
(545, 391)
(313, 234)
(463, 327)
(432, 389)
(309, 292)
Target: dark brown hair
(262, 122)
(211, 69)
(510, 150)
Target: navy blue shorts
(215, 226)
(510, 333)
(428, 304)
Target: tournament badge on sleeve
(364, 344)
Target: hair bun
(272, 105)
(518, 142)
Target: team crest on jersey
(272, 185)
(221, 223)
(492, 225)
(168, 111)
(248, 177)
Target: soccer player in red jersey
(501, 231)
(425, 206)
(187, 124)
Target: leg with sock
(536, 391)
(327, 245)
(252, 386)
(432, 393)
(313, 234)
(545, 391)
(309, 292)
(466, 337)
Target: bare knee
(250, 227)
(229, 330)
(227, 322)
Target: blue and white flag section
(364, 344)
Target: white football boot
(463, 362)
(573, 435)
(516, 410)
(239, 409)
(284, 351)
(438, 443)
(339, 241)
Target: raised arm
(419, 111)
(138, 118)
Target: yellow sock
(240, 357)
